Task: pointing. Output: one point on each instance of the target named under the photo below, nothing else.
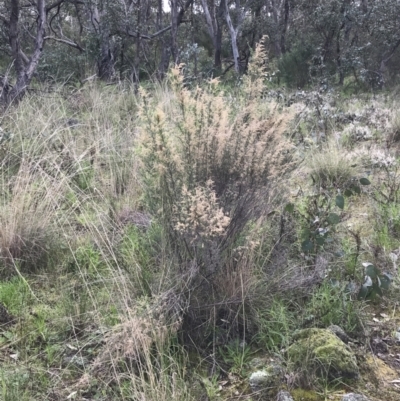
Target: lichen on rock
(321, 351)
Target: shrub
(294, 66)
(206, 161)
(210, 163)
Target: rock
(72, 122)
(257, 363)
(339, 332)
(354, 397)
(379, 346)
(76, 360)
(269, 376)
(259, 378)
(284, 396)
(322, 351)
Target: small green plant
(318, 219)
(275, 325)
(236, 356)
(84, 176)
(14, 387)
(387, 190)
(376, 282)
(15, 295)
(88, 260)
(212, 387)
(331, 304)
(52, 353)
(135, 252)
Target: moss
(321, 350)
(300, 394)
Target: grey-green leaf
(362, 294)
(333, 218)
(365, 181)
(340, 201)
(385, 281)
(289, 207)
(307, 246)
(371, 271)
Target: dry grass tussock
(332, 165)
(136, 351)
(132, 340)
(29, 233)
(69, 187)
(64, 168)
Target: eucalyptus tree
(28, 26)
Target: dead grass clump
(331, 166)
(136, 353)
(28, 216)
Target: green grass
(124, 265)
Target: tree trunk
(214, 22)
(285, 23)
(273, 9)
(106, 70)
(339, 57)
(174, 30)
(233, 35)
(364, 6)
(4, 89)
(25, 71)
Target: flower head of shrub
(198, 214)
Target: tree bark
(176, 21)
(285, 24)
(24, 71)
(273, 9)
(174, 30)
(106, 62)
(233, 34)
(214, 22)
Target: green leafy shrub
(88, 260)
(294, 66)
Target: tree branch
(59, 2)
(180, 20)
(65, 41)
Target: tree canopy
(53, 40)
